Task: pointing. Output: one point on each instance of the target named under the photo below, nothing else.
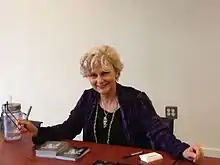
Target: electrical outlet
(171, 112)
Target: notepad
(150, 157)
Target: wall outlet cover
(171, 112)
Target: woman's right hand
(27, 126)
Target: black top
(117, 136)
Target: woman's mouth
(102, 86)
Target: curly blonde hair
(104, 56)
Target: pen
(133, 154)
(28, 113)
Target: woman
(114, 114)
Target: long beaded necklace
(104, 122)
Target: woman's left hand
(194, 153)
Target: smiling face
(103, 79)
(102, 66)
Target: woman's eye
(93, 75)
(105, 73)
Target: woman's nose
(100, 80)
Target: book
(51, 148)
(60, 150)
(73, 153)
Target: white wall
(170, 50)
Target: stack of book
(60, 150)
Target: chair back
(169, 122)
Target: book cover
(73, 153)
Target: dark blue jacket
(141, 124)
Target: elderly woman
(114, 114)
